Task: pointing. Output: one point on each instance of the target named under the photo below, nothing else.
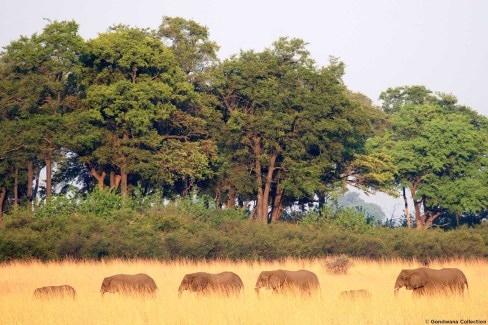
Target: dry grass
(19, 279)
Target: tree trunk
(112, 179)
(16, 189)
(186, 187)
(123, 171)
(417, 204)
(123, 182)
(253, 212)
(231, 201)
(407, 213)
(259, 178)
(36, 187)
(2, 199)
(267, 186)
(48, 160)
(277, 209)
(30, 180)
(321, 202)
(115, 181)
(418, 214)
(218, 190)
(99, 177)
(429, 221)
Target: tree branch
(11, 150)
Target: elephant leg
(418, 292)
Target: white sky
(441, 44)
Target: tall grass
(19, 279)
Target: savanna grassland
(18, 279)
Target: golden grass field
(19, 279)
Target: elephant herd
(423, 281)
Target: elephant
(55, 291)
(426, 281)
(281, 280)
(203, 283)
(354, 294)
(129, 283)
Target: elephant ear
(276, 280)
(107, 282)
(417, 281)
(199, 283)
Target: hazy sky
(442, 44)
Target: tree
(440, 151)
(147, 114)
(38, 89)
(189, 42)
(292, 125)
(395, 98)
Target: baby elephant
(55, 291)
(202, 282)
(129, 284)
(281, 280)
(354, 294)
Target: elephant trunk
(256, 289)
(395, 291)
(397, 287)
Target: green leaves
(189, 42)
(151, 113)
(307, 122)
(439, 150)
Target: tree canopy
(155, 111)
(440, 152)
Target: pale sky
(441, 44)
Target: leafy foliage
(439, 151)
(184, 231)
(146, 114)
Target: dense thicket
(153, 113)
(96, 229)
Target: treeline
(93, 229)
(154, 112)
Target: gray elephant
(203, 283)
(426, 281)
(355, 294)
(281, 280)
(55, 291)
(129, 283)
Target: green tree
(440, 151)
(38, 89)
(189, 42)
(149, 116)
(292, 125)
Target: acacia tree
(440, 152)
(149, 113)
(293, 125)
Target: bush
(340, 265)
(195, 232)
